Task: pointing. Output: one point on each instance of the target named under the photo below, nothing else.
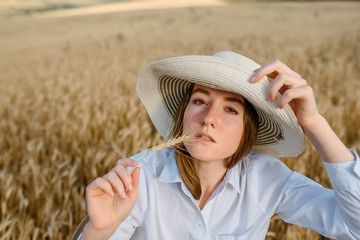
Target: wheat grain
(168, 143)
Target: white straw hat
(162, 84)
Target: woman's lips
(204, 137)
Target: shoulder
(257, 161)
(266, 176)
(264, 173)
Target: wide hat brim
(161, 85)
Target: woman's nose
(210, 117)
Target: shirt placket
(200, 228)
(198, 223)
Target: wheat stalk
(168, 143)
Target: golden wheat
(168, 143)
(68, 108)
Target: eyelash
(231, 110)
(228, 109)
(199, 101)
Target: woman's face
(215, 118)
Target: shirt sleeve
(333, 213)
(345, 180)
(125, 230)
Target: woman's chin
(206, 157)
(205, 153)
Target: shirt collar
(170, 173)
(232, 176)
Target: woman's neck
(211, 174)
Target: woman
(226, 183)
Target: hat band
(172, 91)
(270, 131)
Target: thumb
(135, 179)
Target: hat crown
(238, 60)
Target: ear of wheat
(168, 143)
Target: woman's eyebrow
(237, 100)
(201, 91)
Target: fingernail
(130, 187)
(253, 78)
(123, 195)
(269, 99)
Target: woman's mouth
(204, 136)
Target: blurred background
(68, 109)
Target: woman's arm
(327, 143)
(332, 213)
(295, 92)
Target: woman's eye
(231, 110)
(199, 101)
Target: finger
(135, 178)
(272, 69)
(116, 183)
(282, 82)
(127, 162)
(99, 183)
(301, 93)
(125, 176)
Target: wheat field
(68, 109)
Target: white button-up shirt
(255, 189)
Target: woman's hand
(295, 92)
(111, 198)
(293, 89)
